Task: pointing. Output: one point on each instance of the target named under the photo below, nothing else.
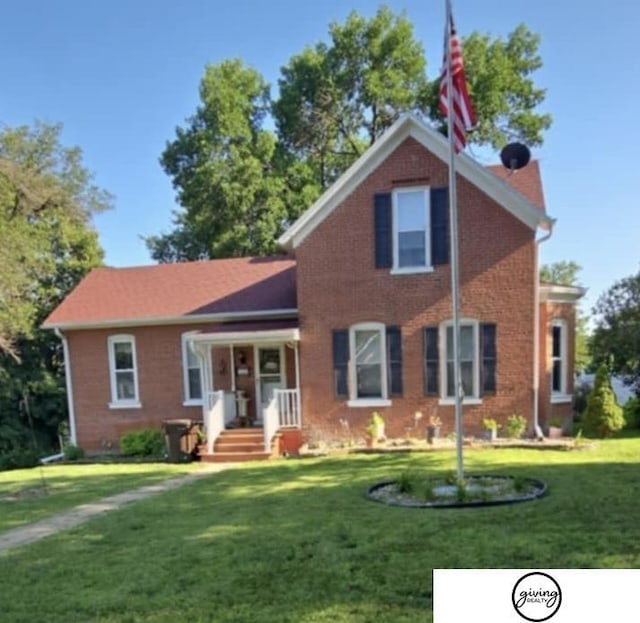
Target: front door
(270, 367)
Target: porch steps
(237, 445)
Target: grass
(31, 494)
(297, 541)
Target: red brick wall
(338, 286)
(160, 384)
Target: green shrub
(146, 442)
(631, 413)
(603, 415)
(516, 426)
(73, 453)
(19, 458)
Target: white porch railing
(214, 417)
(270, 423)
(288, 401)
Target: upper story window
(192, 374)
(559, 358)
(411, 230)
(123, 371)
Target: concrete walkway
(80, 514)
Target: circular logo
(536, 596)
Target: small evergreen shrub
(580, 397)
(631, 413)
(148, 442)
(73, 453)
(516, 426)
(603, 415)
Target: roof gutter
(67, 375)
(173, 320)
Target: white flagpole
(455, 278)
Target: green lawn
(31, 494)
(297, 541)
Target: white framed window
(411, 230)
(191, 374)
(469, 362)
(559, 363)
(123, 372)
(368, 365)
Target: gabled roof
(217, 290)
(525, 208)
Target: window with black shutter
(431, 362)
(341, 362)
(489, 358)
(394, 360)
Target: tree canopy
(47, 244)
(246, 165)
(616, 338)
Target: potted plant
(555, 427)
(433, 428)
(375, 430)
(491, 427)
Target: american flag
(464, 118)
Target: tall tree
(221, 165)
(46, 246)
(567, 274)
(336, 100)
(616, 338)
(240, 185)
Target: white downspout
(67, 374)
(536, 337)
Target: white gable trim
(407, 126)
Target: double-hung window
(367, 364)
(478, 361)
(469, 370)
(411, 230)
(192, 374)
(123, 372)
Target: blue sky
(121, 75)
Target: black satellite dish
(515, 156)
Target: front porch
(250, 387)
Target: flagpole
(455, 278)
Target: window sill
(557, 399)
(369, 402)
(134, 404)
(466, 401)
(415, 270)
(192, 403)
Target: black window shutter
(341, 362)
(439, 226)
(394, 360)
(431, 362)
(383, 230)
(489, 359)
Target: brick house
(356, 316)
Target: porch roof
(267, 331)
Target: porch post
(232, 366)
(203, 353)
(298, 401)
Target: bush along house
(354, 317)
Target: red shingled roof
(173, 291)
(526, 181)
